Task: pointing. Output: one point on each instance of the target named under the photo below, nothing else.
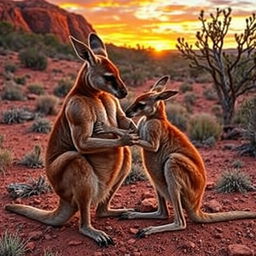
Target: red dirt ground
(197, 239)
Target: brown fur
(173, 164)
(82, 167)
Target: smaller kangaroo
(174, 165)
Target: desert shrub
(17, 115)
(12, 93)
(33, 159)
(210, 94)
(204, 129)
(36, 89)
(234, 181)
(41, 125)
(12, 245)
(33, 58)
(63, 87)
(50, 253)
(217, 111)
(9, 67)
(243, 114)
(5, 160)
(186, 87)
(237, 164)
(34, 187)
(177, 115)
(20, 80)
(189, 99)
(137, 173)
(47, 104)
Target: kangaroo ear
(166, 95)
(160, 85)
(97, 46)
(83, 51)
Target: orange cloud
(154, 23)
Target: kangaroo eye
(109, 78)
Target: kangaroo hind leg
(171, 172)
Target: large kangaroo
(174, 165)
(83, 168)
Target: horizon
(154, 24)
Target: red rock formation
(39, 16)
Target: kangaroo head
(146, 104)
(101, 74)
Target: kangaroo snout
(122, 93)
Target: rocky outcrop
(39, 16)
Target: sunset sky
(155, 23)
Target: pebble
(35, 235)
(213, 205)
(239, 250)
(148, 204)
(31, 246)
(147, 194)
(133, 231)
(210, 185)
(131, 241)
(47, 237)
(74, 242)
(98, 254)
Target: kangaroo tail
(56, 217)
(203, 217)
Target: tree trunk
(228, 108)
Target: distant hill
(39, 16)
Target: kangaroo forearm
(147, 145)
(98, 145)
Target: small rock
(239, 250)
(213, 205)
(98, 254)
(35, 235)
(133, 231)
(131, 241)
(148, 204)
(210, 185)
(147, 194)
(133, 191)
(74, 242)
(187, 245)
(31, 246)
(17, 201)
(31, 96)
(37, 201)
(47, 237)
(108, 228)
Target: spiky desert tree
(233, 71)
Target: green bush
(237, 164)
(217, 111)
(5, 160)
(210, 94)
(20, 80)
(41, 125)
(63, 87)
(189, 99)
(204, 129)
(17, 115)
(177, 115)
(33, 58)
(234, 181)
(12, 93)
(9, 67)
(47, 104)
(36, 89)
(35, 187)
(12, 245)
(33, 158)
(186, 87)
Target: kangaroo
(174, 165)
(82, 167)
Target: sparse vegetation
(33, 159)
(34, 187)
(186, 87)
(47, 104)
(20, 80)
(36, 89)
(177, 115)
(234, 181)
(17, 115)
(217, 111)
(12, 93)
(33, 58)
(63, 87)
(204, 129)
(210, 94)
(12, 245)
(10, 67)
(48, 252)
(233, 72)
(5, 160)
(237, 164)
(189, 99)
(41, 125)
